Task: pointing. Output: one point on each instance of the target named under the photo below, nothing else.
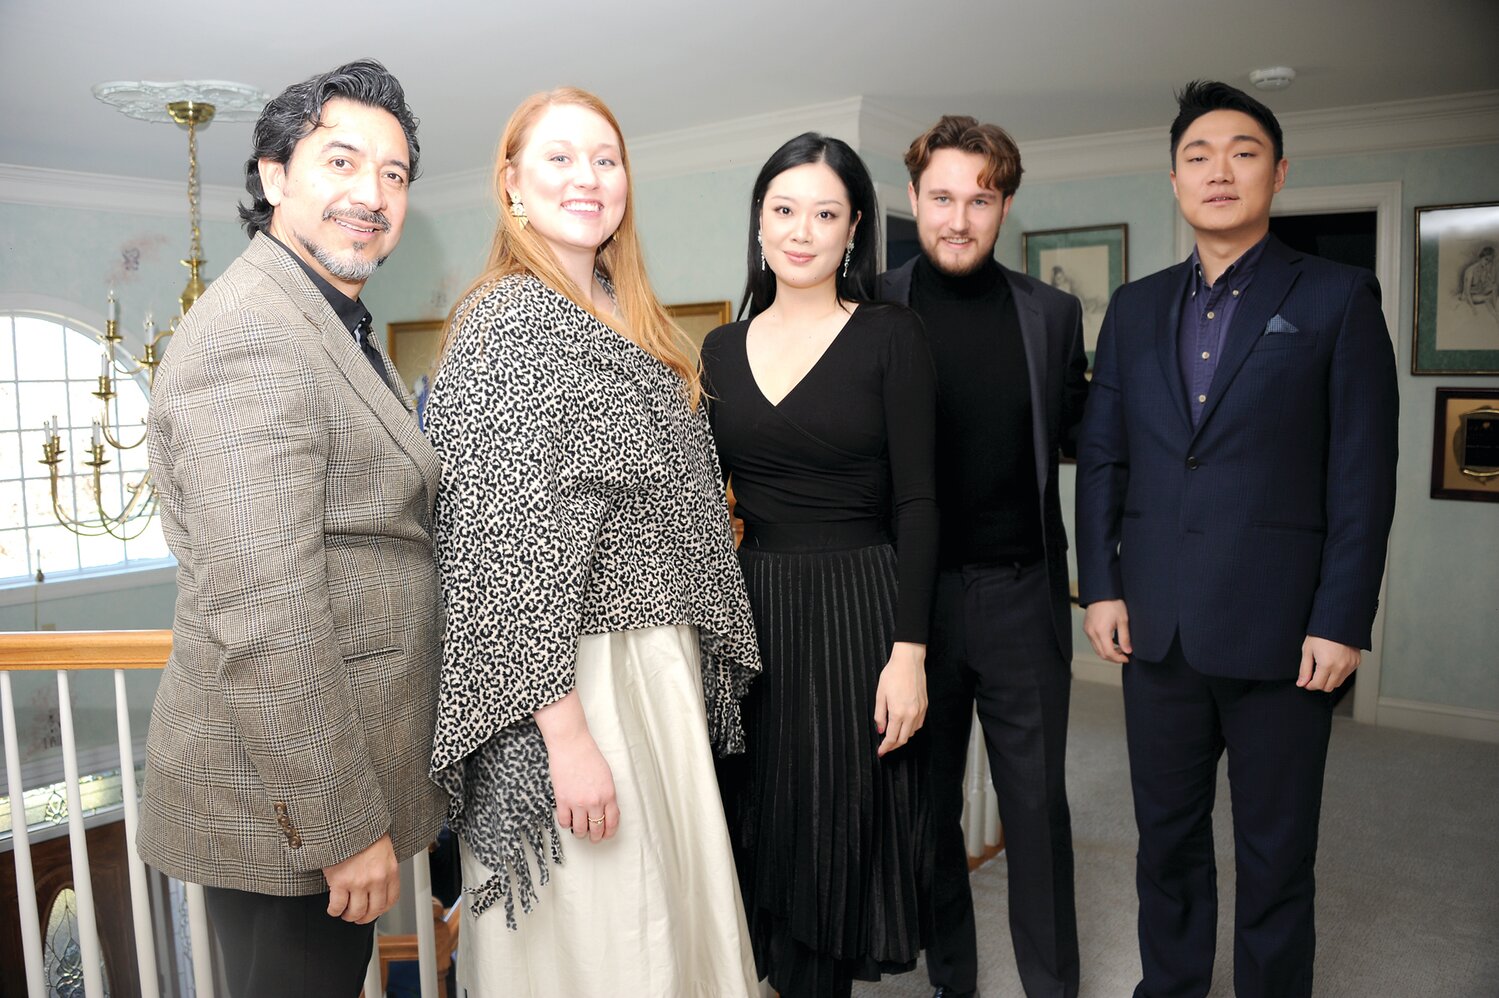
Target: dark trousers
(1179, 722)
(287, 946)
(993, 644)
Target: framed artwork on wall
(698, 319)
(1457, 290)
(1090, 262)
(1465, 445)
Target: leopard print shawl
(580, 495)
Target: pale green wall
(1440, 604)
(77, 255)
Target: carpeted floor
(1407, 873)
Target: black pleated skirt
(830, 840)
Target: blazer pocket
(1283, 341)
(363, 656)
(1131, 514)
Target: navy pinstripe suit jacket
(1267, 521)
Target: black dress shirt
(350, 311)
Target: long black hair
(292, 115)
(863, 266)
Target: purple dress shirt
(1205, 318)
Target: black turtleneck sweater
(986, 456)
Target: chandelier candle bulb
(113, 313)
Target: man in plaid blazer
(1235, 488)
(290, 739)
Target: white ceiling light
(148, 100)
(1272, 77)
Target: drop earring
(760, 240)
(848, 255)
(518, 210)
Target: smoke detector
(1272, 77)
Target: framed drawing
(1465, 445)
(1457, 290)
(1089, 262)
(698, 319)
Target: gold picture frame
(698, 319)
(414, 349)
(1465, 445)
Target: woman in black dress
(823, 404)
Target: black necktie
(362, 335)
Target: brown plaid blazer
(293, 724)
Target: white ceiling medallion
(1272, 77)
(148, 100)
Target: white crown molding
(108, 192)
(870, 127)
(725, 145)
(887, 132)
(1427, 123)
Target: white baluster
(31, 928)
(975, 778)
(426, 943)
(992, 826)
(83, 882)
(140, 903)
(372, 972)
(197, 930)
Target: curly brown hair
(1002, 167)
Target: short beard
(964, 271)
(355, 270)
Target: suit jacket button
(1192, 463)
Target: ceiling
(1043, 70)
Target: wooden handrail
(52, 650)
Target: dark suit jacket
(1269, 520)
(1051, 328)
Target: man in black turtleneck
(1011, 382)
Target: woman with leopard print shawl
(598, 637)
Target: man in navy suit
(1236, 483)
(1011, 383)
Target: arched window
(49, 368)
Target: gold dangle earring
(518, 210)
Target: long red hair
(518, 250)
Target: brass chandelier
(189, 103)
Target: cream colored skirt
(655, 911)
